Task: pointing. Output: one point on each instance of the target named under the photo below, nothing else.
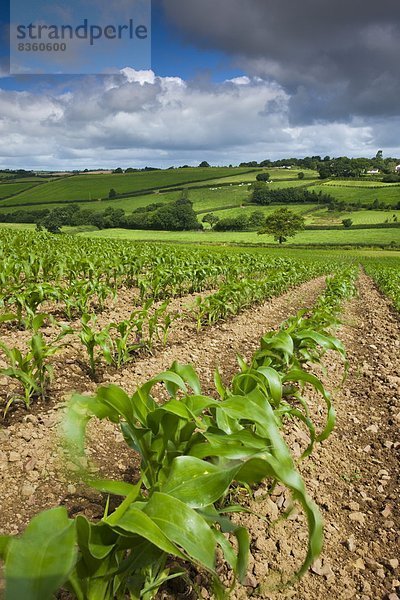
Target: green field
(387, 193)
(359, 217)
(306, 210)
(210, 193)
(275, 175)
(204, 199)
(344, 237)
(90, 187)
(359, 184)
(10, 189)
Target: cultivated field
(148, 474)
(10, 189)
(343, 237)
(92, 187)
(223, 191)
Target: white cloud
(244, 80)
(141, 77)
(140, 119)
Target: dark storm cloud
(336, 58)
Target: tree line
(174, 216)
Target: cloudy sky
(229, 80)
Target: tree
(257, 219)
(263, 177)
(261, 193)
(347, 223)
(176, 216)
(52, 223)
(282, 224)
(118, 171)
(239, 223)
(300, 175)
(211, 219)
(324, 172)
(112, 194)
(204, 165)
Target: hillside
(92, 187)
(224, 192)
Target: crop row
(82, 274)
(234, 296)
(118, 343)
(195, 451)
(387, 279)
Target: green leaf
(196, 482)
(137, 522)
(40, 561)
(185, 527)
(117, 488)
(304, 377)
(4, 543)
(274, 383)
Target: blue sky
(171, 54)
(229, 81)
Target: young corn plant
(92, 340)
(127, 338)
(27, 301)
(32, 370)
(159, 324)
(122, 346)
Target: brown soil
(352, 476)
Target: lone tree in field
(211, 219)
(347, 223)
(263, 177)
(282, 224)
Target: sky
(228, 81)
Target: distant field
(363, 236)
(17, 226)
(204, 199)
(359, 217)
(386, 193)
(358, 183)
(91, 187)
(275, 174)
(344, 237)
(306, 210)
(9, 189)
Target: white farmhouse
(397, 169)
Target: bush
(393, 178)
(262, 194)
(263, 177)
(240, 223)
